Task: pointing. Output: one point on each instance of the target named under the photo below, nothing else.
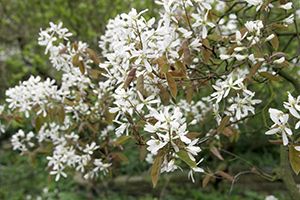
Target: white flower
(254, 26)
(21, 141)
(146, 102)
(280, 124)
(224, 56)
(31, 93)
(154, 145)
(202, 21)
(286, 6)
(242, 106)
(257, 3)
(289, 19)
(192, 149)
(168, 166)
(195, 169)
(270, 197)
(293, 105)
(270, 37)
(90, 148)
(223, 88)
(279, 61)
(58, 173)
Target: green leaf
(275, 42)
(121, 140)
(269, 76)
(75, 60)
(81, 67)
(294, 157)
(183, 155)
(39, 121)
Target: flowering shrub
(156, 81)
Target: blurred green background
(23, 178)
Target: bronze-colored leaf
(163, 64)
(140, 85)
(224, 122)
(206, 52)
(119, 156)
(172, 85)
(75, 46)
(216, 152)
(225, 175)
(206, 180)
(253, 70)
(143, 152)
(155, 169)
(130, 77)
(187, 59)
(164, 95)
(193, 135)
(228, 131)
(93, 56)
(189, 92)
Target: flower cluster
(239, 106)
(281, 120)
(31, 94)
(154, 85)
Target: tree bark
(286, 174)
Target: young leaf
(225, 175)
(163, 64)
(140, 85)
(164, 95)
(93, 56)
(206, 180)
(223, 124)
(206, 52)
(130, 77)
(216, 152)
(172, 85)
(186, 52)
(155, 169)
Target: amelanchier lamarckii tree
(159, 80)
